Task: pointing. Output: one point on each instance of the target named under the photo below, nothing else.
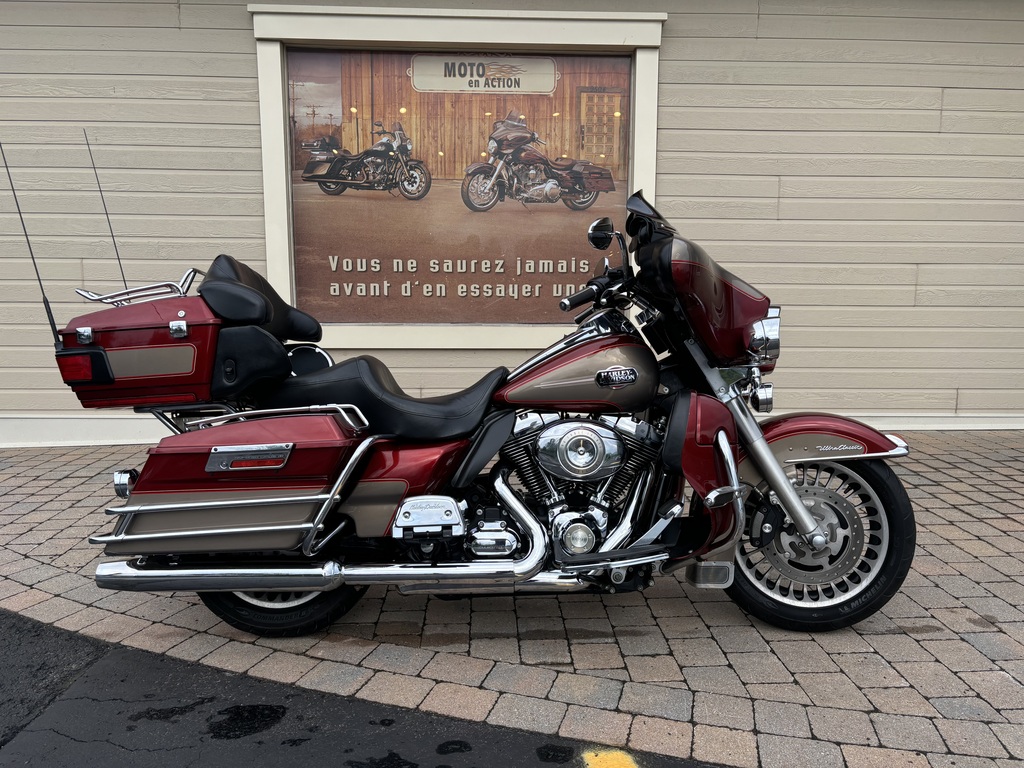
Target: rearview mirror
(601, 233)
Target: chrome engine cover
(580, 450)
(429, 517)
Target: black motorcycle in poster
(387, 165)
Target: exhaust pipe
(127, 575)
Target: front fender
(802, 436)
(476, 168)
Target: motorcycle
(626, 451)
(387, 165)
(518, 170)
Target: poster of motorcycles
(451, 188)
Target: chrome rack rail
(349, 413)
(144, 292)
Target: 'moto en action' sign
(484, 73)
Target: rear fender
(804, 436)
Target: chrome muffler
(128, 575)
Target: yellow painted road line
(608, 758)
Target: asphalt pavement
(71, 701)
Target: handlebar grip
(571, 302)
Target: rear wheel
(868, 519)
(282, 614)
(580, 202)
(331, 187)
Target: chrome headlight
(492, 147)
(764, 341)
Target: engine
(536, 186)
(579, 471)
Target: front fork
(494, 178)
(758, 450)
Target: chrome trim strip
(340, 409)
(901, 449)
(112, 538)
(222, 457)
(620, 534)
(126, 575)
(545, 581)
(139, 509)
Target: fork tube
(497, 170)
(773, 472)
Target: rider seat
(367, 383)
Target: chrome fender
(801, 436)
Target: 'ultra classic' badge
(617, 377)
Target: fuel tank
(614, 373)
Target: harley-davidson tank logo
(617, 377)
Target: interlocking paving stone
(936, 676)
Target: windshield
(515, 118)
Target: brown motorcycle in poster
(518, 170)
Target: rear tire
(331, 187)
(867, 516)
(580, 202)
(282, 614)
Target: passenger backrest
(239, 295)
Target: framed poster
(451, 188)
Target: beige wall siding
(859, 160)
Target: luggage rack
(143, 293)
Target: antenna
(57, 344)
(105, 212)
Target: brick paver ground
(936, 679)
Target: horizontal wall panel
(827, 295)
(168, 158)
(907, 187)
(89, 15)
(983, 122)
(906, 145)
(134, 180)
(864, 231)
(215, 16)
(999, 10)
(136, 110)
(799, 97)
(818, 27)
(152, 135)
(137, 226)
(71, 38)
(842, 317)
(941, 338)
(712, 25)
(767, 50)
(671, 185)
(755, 119)
(906, 358)
(905, 210)
(971, 274)
(136, 87)
(884, 378)
(98, 247)
(723, 248)
(841, 165)
(971, 296)
(719, 207)
(162, 63)
(991, 400)
(135, 203)
(841, 274)
(875, 400)
(822, 73)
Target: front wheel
(864, 511)
(474, 195)
(331, 187)
(282, 614)
(581, 201)
(416, 183)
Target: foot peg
(711, 574)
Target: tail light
(84, 366)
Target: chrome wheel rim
(414, 181)
(276, 600)
(853, 518)
(476, 191)
(585, 199)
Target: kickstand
(523, 203)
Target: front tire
(867, 516)
(331, 187)
(416, 184)
(474, 196)
(282, 614)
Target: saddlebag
(593, 178)
(153, 353)
(253, 485)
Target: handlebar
(595, 287)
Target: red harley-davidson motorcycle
(518, 170)
(625, 451)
